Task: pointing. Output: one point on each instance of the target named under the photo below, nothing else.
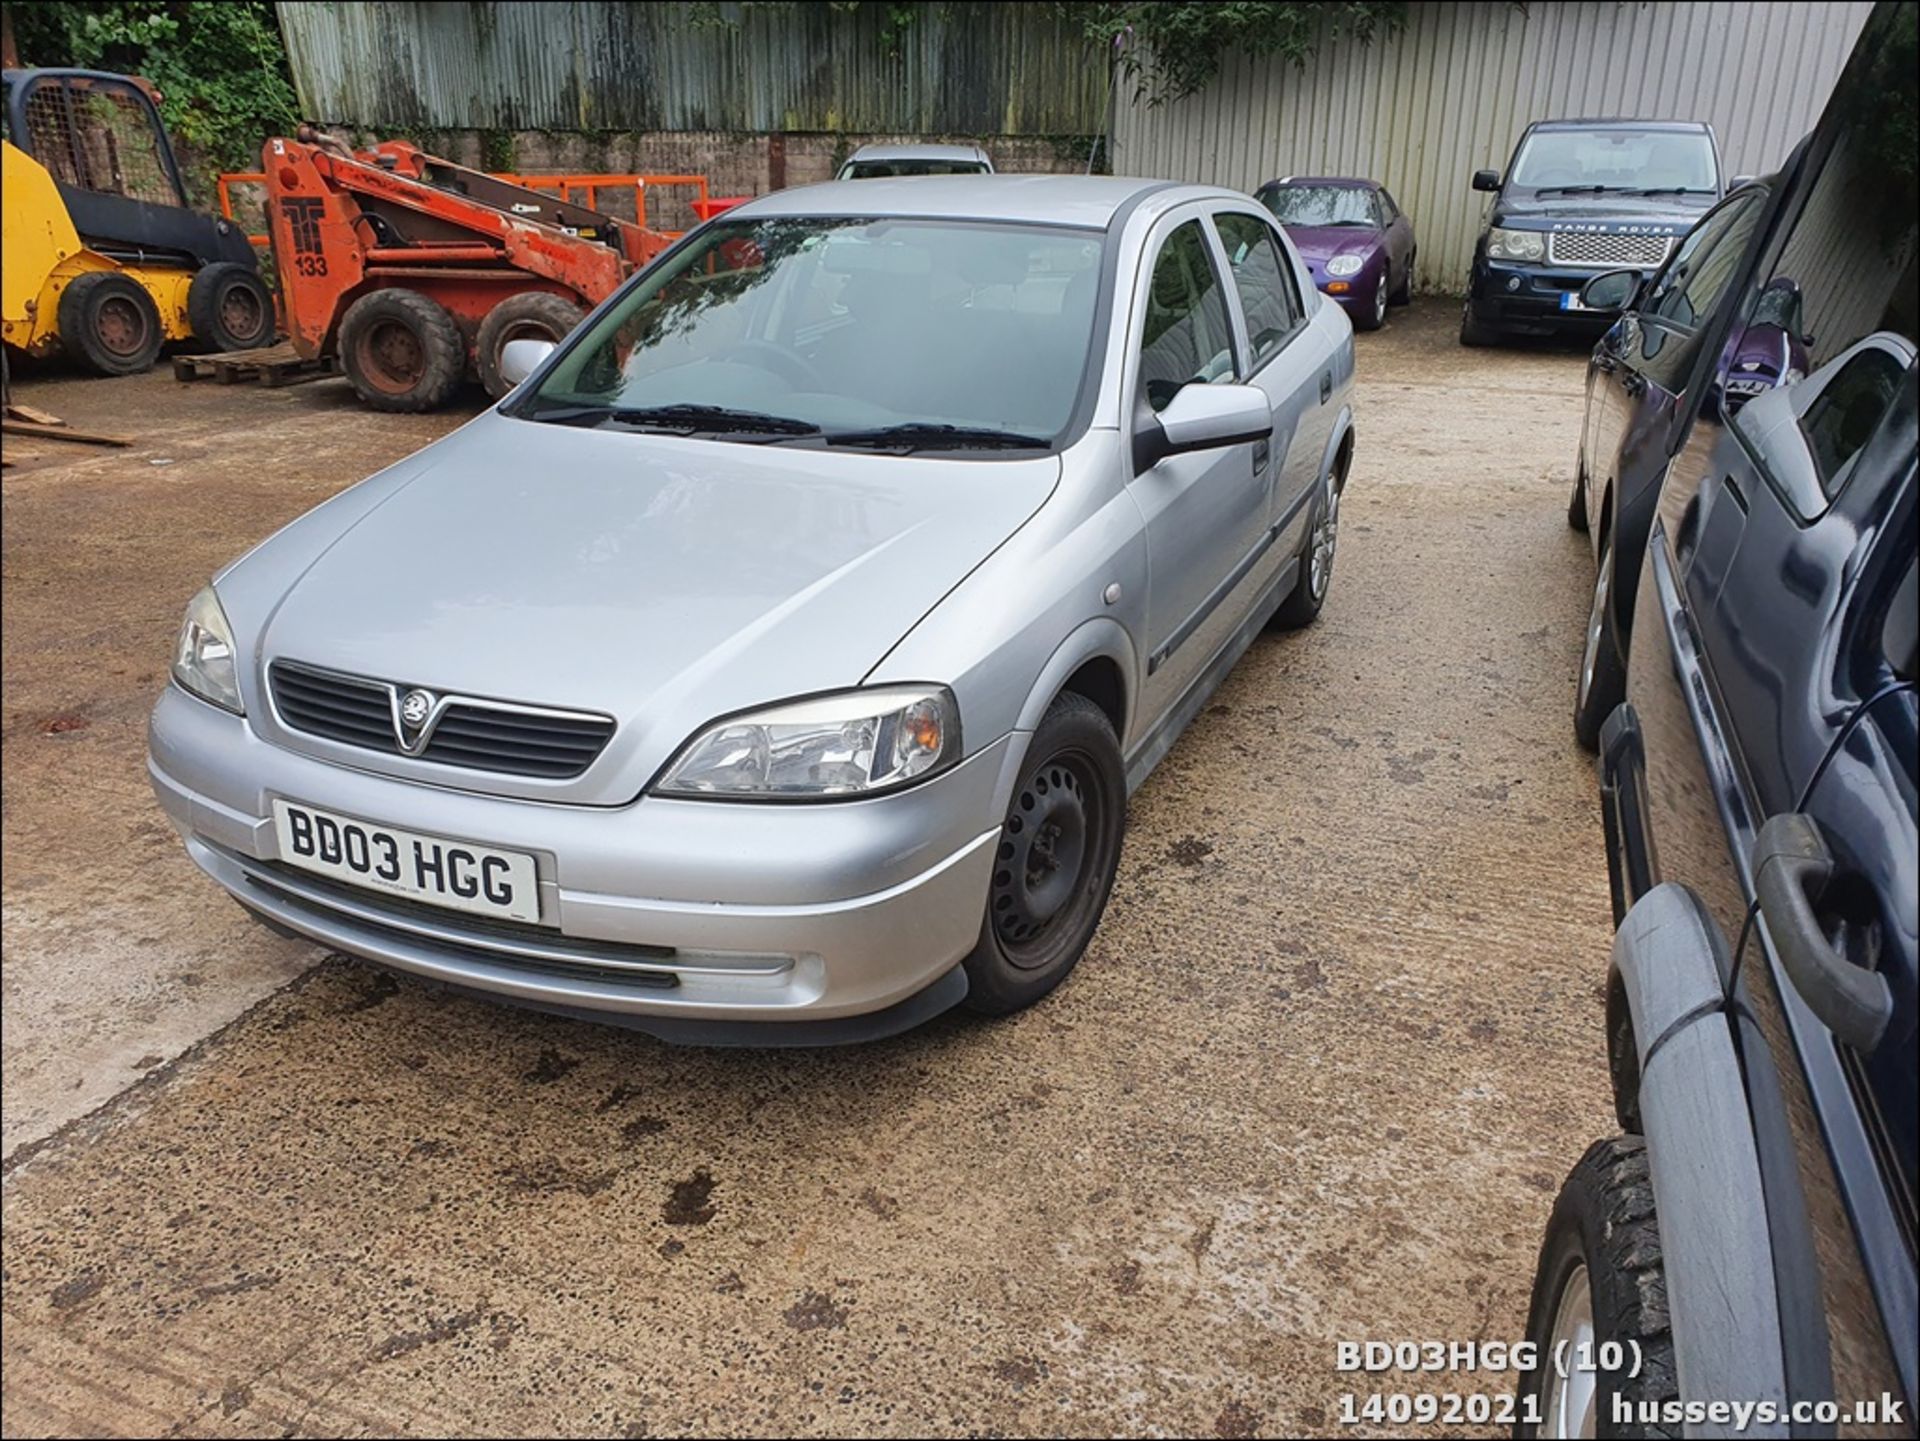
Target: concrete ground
(1332, 1050)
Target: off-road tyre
(530, 315)
(229, 307)
(402, 350)
(109, 323)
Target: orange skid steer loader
(415, 272)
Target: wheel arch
(1337, 458)
(1095, 661)
(1668, 968)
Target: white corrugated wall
(1450, 94)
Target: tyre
(109, 322)
(531, 315)
(1403, 292)
(1577, 504)
(402, 350)
(1603, 671)
(229, 307)
(1600, 1279)
(1309, 594)
(1375, 314)
(1474, 331)
(1058, 852)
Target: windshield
(1617, 159)
(880, 169)
(840, 326)
(1320, 204)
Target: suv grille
(1586, 247)
(476, 734)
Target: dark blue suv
(1750, 1237)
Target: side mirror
(1202, 417)
(520, 358)
(1742, 181)
(1486, 180)
(1611, 290)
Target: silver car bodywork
(665, 582)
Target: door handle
(1792, 868)
(1261, 451)
(1603, 360)
(1326, 384)
(1634, 383)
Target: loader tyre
(109, 321)
(402, 350)
(228, 307)
(531, 315)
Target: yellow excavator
(100, 254)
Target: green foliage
(1171, 50)
(219, 64)
(497, 151)
(1877, 95)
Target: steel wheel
(391, 357)
(1326, 535)
(240, 311)
(121, 327)
(1568, 1407)
(1041, 873)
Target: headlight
(855, 743)
(1344, 265)
(1515, 244)
(203, 660)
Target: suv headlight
(1344, 265)
(854, 743)
(1515, 244)
(203, 660)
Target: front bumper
(659, 914)
(1512, 296)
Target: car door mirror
(1202, 417)
(1612, 290)
(1740, 182)
(520, 358)
(1486, 180)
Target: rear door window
(1681, 302)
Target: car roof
(1090, 201)
(917, 152)
(1345, 182)
(1625, 122)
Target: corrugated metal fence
(1451, 93)
(985, 69)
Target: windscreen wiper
(925, 435)
(1582, 189)
(692, 419)
(1673, 190)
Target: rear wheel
(1403, 292)
(1601, 1282)
(1054, 865)
(229, 307)
(402, 350)
(1603, 672)
(109, 321)
(531, 315)
(1302, 606)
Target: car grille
(473, 733)
(1586, 247)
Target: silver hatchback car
(774, 663)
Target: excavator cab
(104, 256)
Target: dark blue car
(1750, 1236)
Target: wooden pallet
(272, 366)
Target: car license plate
(1570, 300)
(454, 874)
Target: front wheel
(402, 350)
(1603, 671)
(1054, 865)
(1577, 505)
(1473, 330)
(1375, 314)
(1601, 1282)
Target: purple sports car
(1355, 240)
